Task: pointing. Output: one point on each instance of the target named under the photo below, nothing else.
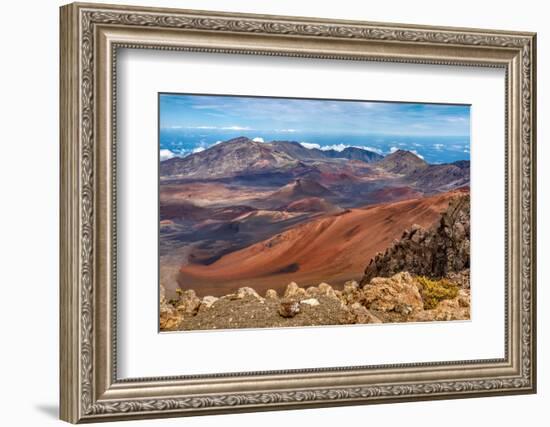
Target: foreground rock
(169, 318)
(399, 298)
(289, 308)
(399, 293)
(188, 303)
(437, 252)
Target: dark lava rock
(289, 308)
(437, 252)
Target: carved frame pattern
(79, 398)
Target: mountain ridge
(243, 155)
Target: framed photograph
(267, 212)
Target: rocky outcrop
(437, 252)
(169, 318)
(362, 315)
(399, 294)
(399, 298)
(188, 302)
(449, 309)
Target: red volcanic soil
(328, 178)
(393, 194)
(311, 204)
(332, 249)
(300, 188)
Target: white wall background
(29, 170)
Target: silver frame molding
(90, 37)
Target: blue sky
(303, 116)
(436, 132)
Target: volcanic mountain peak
(243, 156)
(298, 151)
(299, 189)
(229, 158)
(402, 162)
(238, 140)
(404, 154)
(462, 164)
(307, 187)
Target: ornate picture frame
(90, 37)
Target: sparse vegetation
(434, 291)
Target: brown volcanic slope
(332, 249)
(299, 189)
(311, 204)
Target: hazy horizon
(436, 132)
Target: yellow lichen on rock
(435, 291)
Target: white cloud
(198, 149)
(417, 154)
(166, 154)
(310, 145)
(455, 119)
(438, 147)
(338, 147)
(335, 147)
(393, 149)
(258, 139)
(217, 142)
(235, 128)
(373, 149)
(287, 130)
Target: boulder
(362, 315)
(312, 291)
(289, 308)
(208, 301)
(398, 293)
(326, 290)
(310, 301)
(271, 294)
(351, 293)
(188, 302)
(248, 292)
(464, 298)
(449, 309)
(294, 291)
(169, 318)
